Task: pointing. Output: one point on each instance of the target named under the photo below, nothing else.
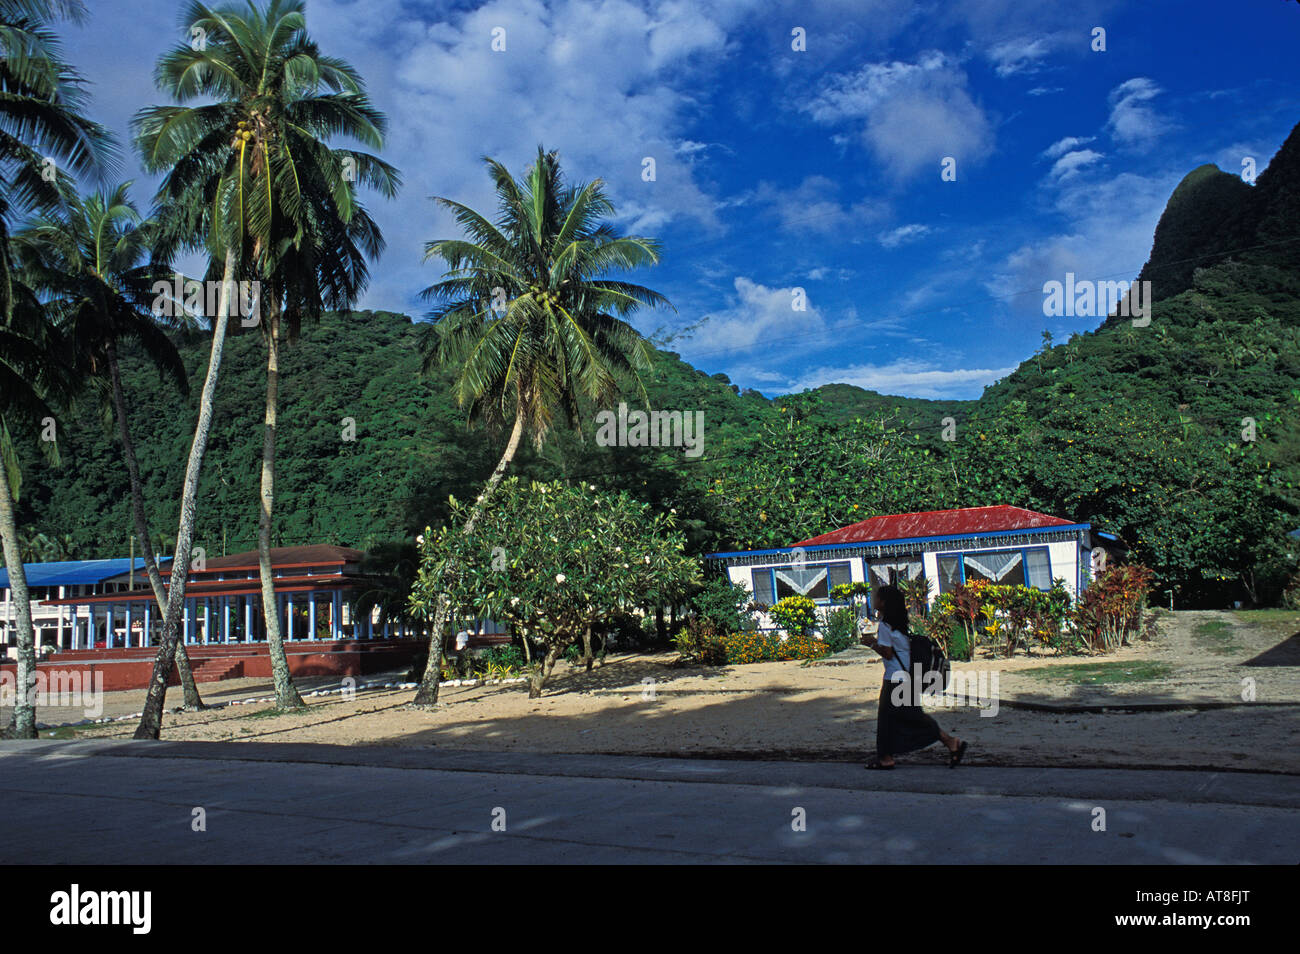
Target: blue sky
(819, 169)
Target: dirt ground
(1212, 690)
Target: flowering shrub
(1019, 614)
(718, 648)
(802, 646)
(1110, 610)
(1010, 616)
(557, 563)
(750, 647)
(797, 615)
(768, 647)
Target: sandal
(877, 764)
(954, 758)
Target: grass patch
(1283, 616)
(267, 713)
(1098, 674)
(1215, 636)
(62, 732)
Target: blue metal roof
(72, 572)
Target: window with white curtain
(1030, 566)
(1005, 567)
(814, 580)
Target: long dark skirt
(902, 725)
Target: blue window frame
(772, 583)
(1033, 569)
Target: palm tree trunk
(286, 694)
(193, 702)
(23, 723)
(150, 726)
(426, 697)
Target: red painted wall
(131, 668)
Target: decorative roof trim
(969, 541)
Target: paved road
(103, 802)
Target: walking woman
(902, 725)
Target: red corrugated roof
(316, 554)
(937, 523)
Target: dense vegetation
(1183, 436)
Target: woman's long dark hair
(893, 608)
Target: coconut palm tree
(43, 134)
(34, 381)
(43, 137)
(525, 314)
(248, 172)
(316, 260)
(88, 263)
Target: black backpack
(935, 668)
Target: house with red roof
(1001, 544)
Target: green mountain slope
(358, 372)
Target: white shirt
(462, 640)
(896, 669)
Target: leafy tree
(553, 561)
(807, 476)
(528, 322)
(723, 605)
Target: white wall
(1063, 554)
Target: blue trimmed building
(1001, 544)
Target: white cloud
(758, 315)
(1107, 236)
(1072, 162)
(1133, 121)
(1068, 144)
(813, 207)
(913, 114)
(903, 234)
(822, 272)
(1021, 55)
(604, 82)
(905, 377)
